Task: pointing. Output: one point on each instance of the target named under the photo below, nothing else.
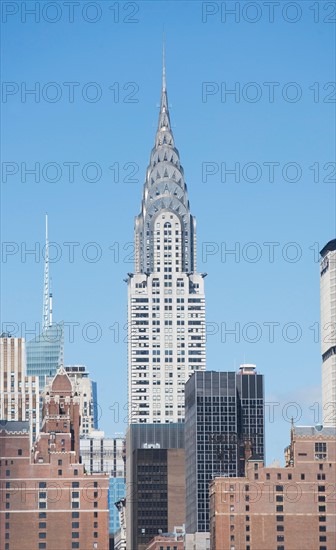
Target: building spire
(163, 63)
(46, 302)
(164, 189)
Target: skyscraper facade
(328, 332)
(45, 353)
(224, 415)
(166, 303)
(19, 394)
(155, 498)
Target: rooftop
(315, 430)
(329, 247)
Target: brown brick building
(47, 499)
(291, 508)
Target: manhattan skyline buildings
(245, 211)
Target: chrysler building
(166, 304)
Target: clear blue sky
(209, 128)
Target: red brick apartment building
(47, 500)
(291, 508)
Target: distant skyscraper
(19, 394)
(45, 351)
(87, 392)
(328, 332)
(224, 414)
(166, 303)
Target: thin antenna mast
(46, 279)
(163, 62)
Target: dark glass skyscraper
(224, 416)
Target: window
(75, 484)
(19, 452)
(280, 528)
(278, 476)
(75, 535)
(280, 538)
(289, 476)
(42, 485)
(279, 488)
(42, 525)
(322, 509)
(75, 515)
(279, 508)
(279, 498)
(75, 545)
(75, 472)
(42, 515)
(303, 476)
(321, 489)
(75, 524)
(95, 534)
(42, 505)
(59, 472)
(42, 545)
(59, 462)
(320, 451)
(279, 518)
(323, 538)
(322, 528)
(75, 504)
(42, 535)
(322, 518)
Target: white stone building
(19, 393)
(166, 302)
(328, 332)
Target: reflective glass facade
(117, 491)
(224, 412)
(45, 353)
